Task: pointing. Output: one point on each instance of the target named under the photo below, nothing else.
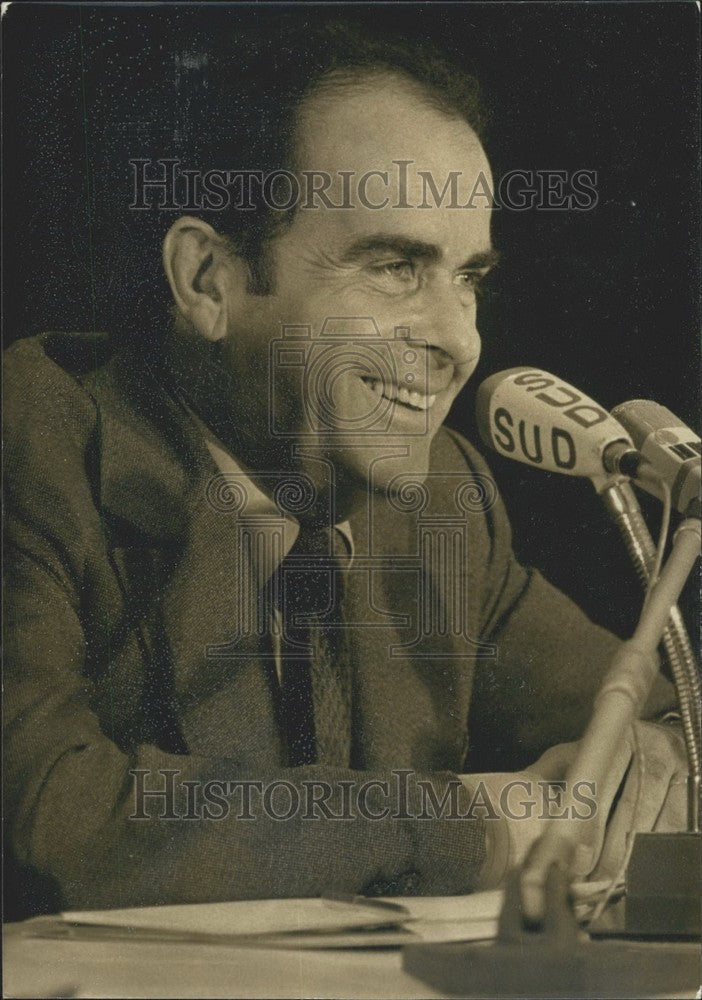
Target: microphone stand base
(605, 969)
(663, 886)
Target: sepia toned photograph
(351, 512)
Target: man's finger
(544, 854)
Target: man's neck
(198, 377)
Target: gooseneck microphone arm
(619, 701)
(623, 507)
(667, 461)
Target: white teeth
(421, 402)
(403, 395)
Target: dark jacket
(126, 587)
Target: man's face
(313, 381)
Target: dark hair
(217, 88)
(242, 91)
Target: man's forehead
(398, 166)
(371, 125)
(404, 214)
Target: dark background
(608, 299)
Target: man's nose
(447, 323)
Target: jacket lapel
(160, 490)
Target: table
(35, 968)
(40, 967)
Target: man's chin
(380, 466)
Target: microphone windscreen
(536, 418)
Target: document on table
(327, 922)
(293, 923)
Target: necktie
(316, 683)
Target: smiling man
(261, 604)
(412, 270)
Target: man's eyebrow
(483, 260)
(413, 249)
(400, 245)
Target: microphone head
(671, 449)
(536, 418)
(643, 417)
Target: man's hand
(654, 795)
(644, 790)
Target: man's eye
(470, 279)
(400, 269)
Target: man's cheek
(288, 414)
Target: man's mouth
(411, 398)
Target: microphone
(540, 420)
(671, 449)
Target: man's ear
(199, 268)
